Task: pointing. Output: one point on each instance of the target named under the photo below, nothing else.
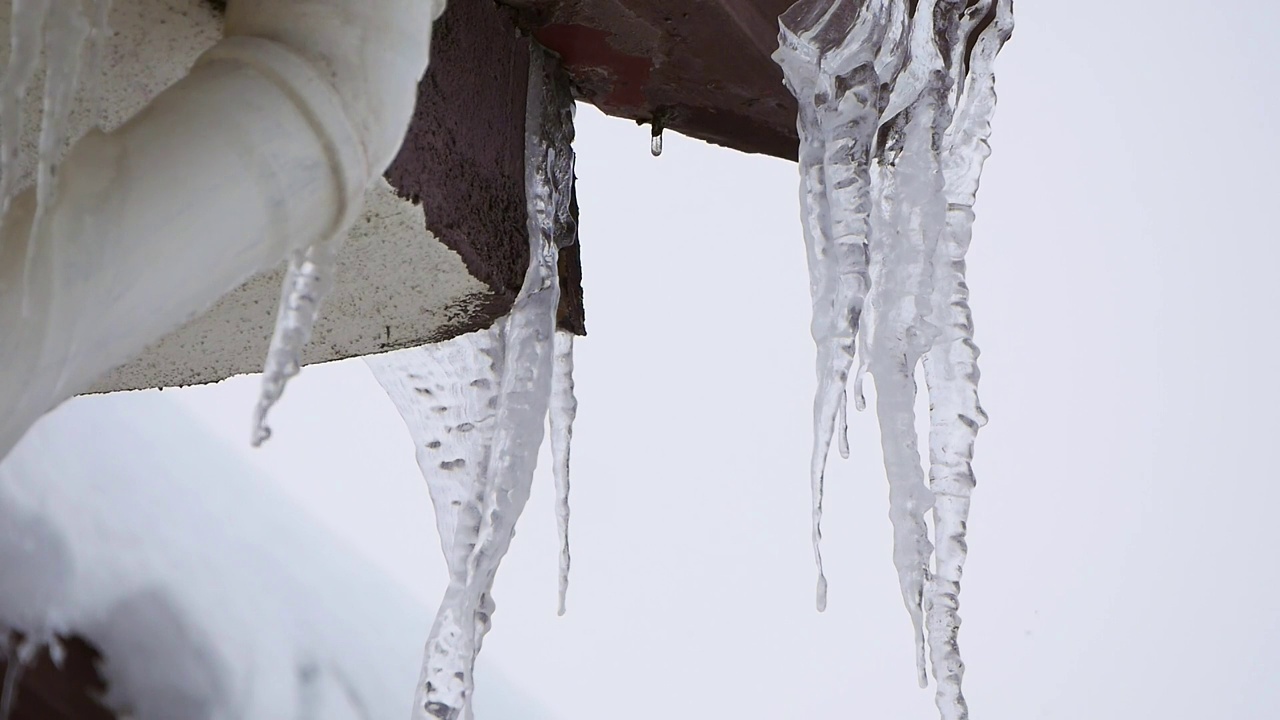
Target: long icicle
(951, 365)
(530, 326)
(910, 215)
(816, 223)
(898, 340)
(477, 407)
(65, 31)
(836, 124)
(564, 409)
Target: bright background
(1122, 555)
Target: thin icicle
(564, 408)
(307, 282)
(26, 39)
(910, 219)
(530, 327)
(66, 30)
(830, 73)
(813, 198)
(951, 368)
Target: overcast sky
(1123, 281)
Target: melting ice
(895, 102)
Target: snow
(210, 592)
(886, 197)
(207, 592)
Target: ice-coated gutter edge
(267, 145)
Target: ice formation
(56, 30)
(476, 407)
(564, 408)
(895, 102)
(307, 281)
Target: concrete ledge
(441, 247)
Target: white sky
(1123, 277)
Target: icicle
(813, 198)
(564, 408)
(306, 283)
(655, 141)
(910, 219)
(66, 30)
(59, 29)
(951, 368)
(448, 395)
(477, 406)
(828, 67)
(26, 35)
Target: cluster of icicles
(895, 103)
